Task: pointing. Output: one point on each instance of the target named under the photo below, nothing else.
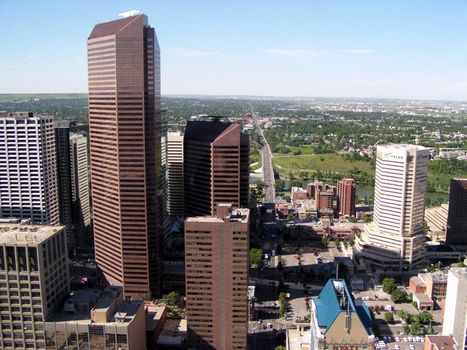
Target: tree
(389, 285)
(399, 296)
(282, 307)
(423, 317)
(389, 317)
(280, 347)
(325, 241)
(255, 255)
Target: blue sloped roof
(328, 308)
(327, 305)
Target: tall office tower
(33, 281)
(62, 143)
(395, 238)
(125, 142)
(80, 186)
(216, 279)
(28, 169)
(456, 232)
(346, 192)
(175, 173)
(216, 166)
(455, 315)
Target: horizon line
(255, 96)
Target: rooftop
(442, 342)
(233, 214)
(336, 297)
(153, 315)
(173, 333)
(26, 234)
(298, 339)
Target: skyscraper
(455, 317)
(28, 168)
(396, 238)
(216, 279)
(346, 192)
(80, 187)
(456, 232)
(62, 142)
(125, 143)
(216, 166)
(175, 173)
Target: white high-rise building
(28, 168)
(79, 181)
(455, 307)
(175, 189)
(395, 237)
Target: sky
(413, 49)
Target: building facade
(28, 168)
(456, 232)
(216, 166)
(62, 143)
(125, 147)
(175, 174)
(396, 239)
(455, 307)
(34, 279)
(346, 194)
(80, 193)
(216, 279)
(91, 319)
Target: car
(397, 347)
(411, 347)
(410, 339)
(398, 339)
(422, 340)
(260, 321)
(269, 325)
(405, 339)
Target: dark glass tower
(216, 166)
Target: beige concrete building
(455, 307)
(216, 269)
(94, 319)
(395, 239)
(34, 279)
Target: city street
(268, 172)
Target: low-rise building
(156, 316)
(173, 335)
(440, 342)
(97, 320)
(338, 320)
(428, 286)
(298, 193)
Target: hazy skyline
(388, 49)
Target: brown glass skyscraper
(124, 129)
(216, 166)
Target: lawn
(335, 163)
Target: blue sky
(383, 48)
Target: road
(268, 173)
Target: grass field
(335, 163)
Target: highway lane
(268, 172)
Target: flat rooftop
(27, 234)
(236, 214)
(445, 342)
(173, 333)
(298, 340)
(153, 315)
